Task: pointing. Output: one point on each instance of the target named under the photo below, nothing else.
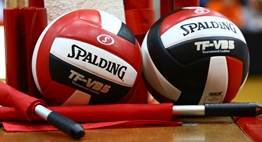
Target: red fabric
(23, 26)
(139, 20)
(10, 114)
(11, 33)
(185, 3)
(252, 126)
(35, 20)
(167, 6)
(140, 17)
(36, 3)
(25, 104)
(127, 114)
(134, 114)
(137, 4)
(99, 116)
(100, 113)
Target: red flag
(114, 114)
(25, 104)
(99, 113)
(23, 26)
(252, 126)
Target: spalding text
(79, 53)
(192, 27)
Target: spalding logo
(79, 53)
(105, 39)
(198, 26)
(93, 59)
(201, 11)
(198, 10)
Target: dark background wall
(254, 42)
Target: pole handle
(231, 109)
(66, 125)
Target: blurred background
(246, 14)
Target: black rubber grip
(66, 125)
(231, 109)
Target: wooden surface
(194, 129)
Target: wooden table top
(194, 129)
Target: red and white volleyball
(194, 55)
(86, 57)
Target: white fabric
(56, 8)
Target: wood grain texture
(194, 129)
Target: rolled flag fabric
(100, 113)
(18, 106)
(22, 29)
(25, 104)
(94, 117)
